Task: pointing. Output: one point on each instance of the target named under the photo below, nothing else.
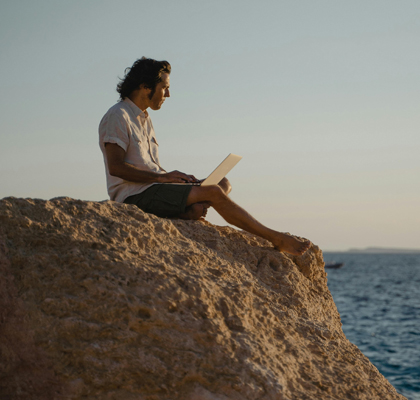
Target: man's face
(161, 92)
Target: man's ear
(144, 87)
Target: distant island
(382, 250)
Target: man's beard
(152, 93)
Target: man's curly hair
(144, 71)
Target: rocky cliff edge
(100, 300)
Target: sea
(378, 298)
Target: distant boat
(334, 265)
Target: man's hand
(177, 177)
(118, 167)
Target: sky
(321, 98)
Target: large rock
(103, 301)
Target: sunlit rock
(103, 301)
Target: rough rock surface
(103, 301)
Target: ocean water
(378, 297)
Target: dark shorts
(163, 200)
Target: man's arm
(115, 156)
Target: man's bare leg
(195, 211)
(236, 215)
(198, 211)
(225, 185)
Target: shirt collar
(135, 109)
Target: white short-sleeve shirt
(130, 128)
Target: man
(135, 176)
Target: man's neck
(140, 100)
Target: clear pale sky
(321, 98)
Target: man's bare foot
(195, 211)
(290, 244)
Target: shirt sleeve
(114, 129)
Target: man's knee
(216, 191)
(225, 185)
(212, 194)
(215, 194)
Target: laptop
(219, 173)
